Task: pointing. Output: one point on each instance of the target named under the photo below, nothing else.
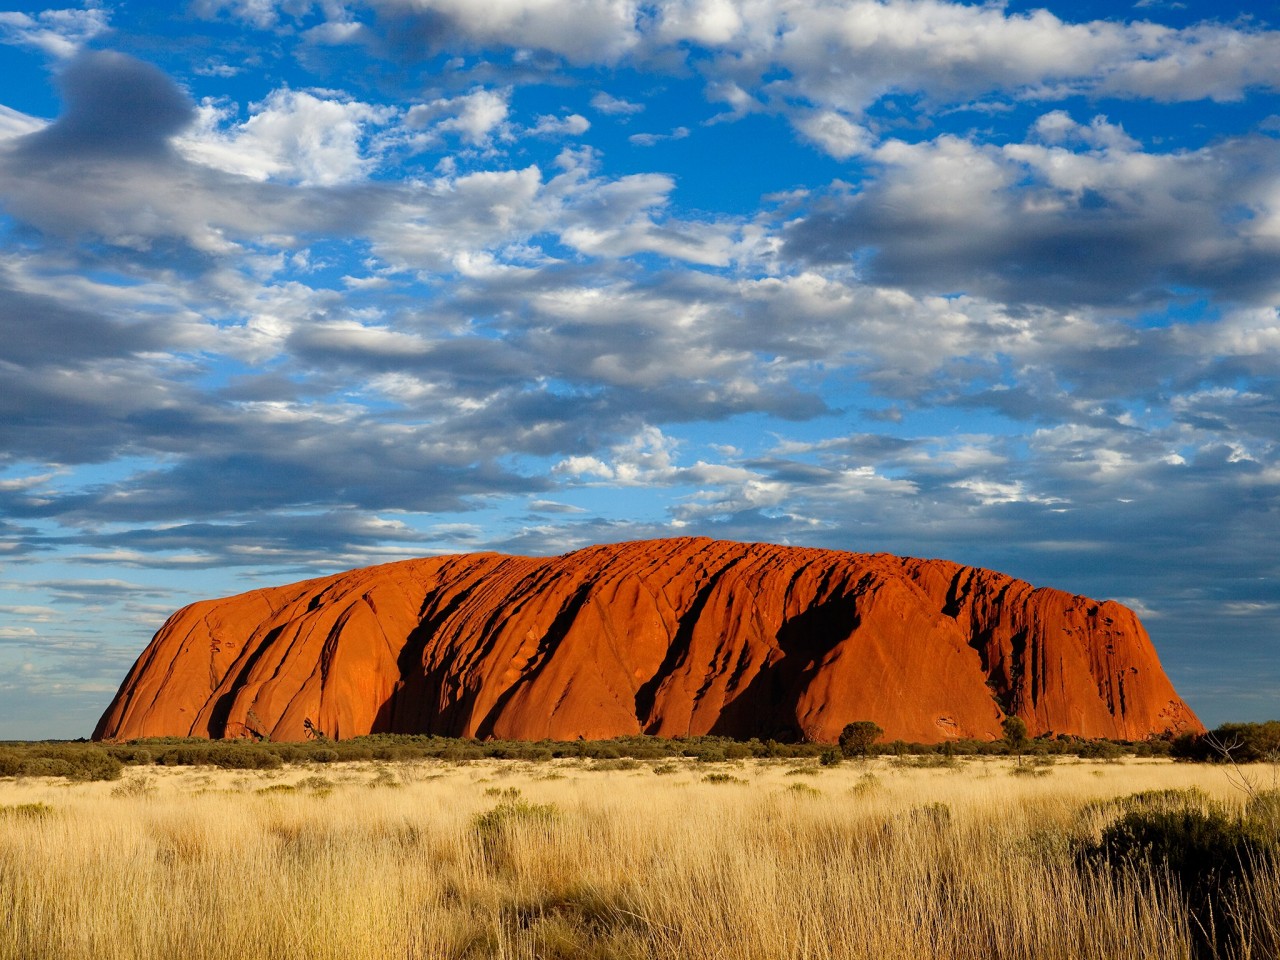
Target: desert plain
(911, 858)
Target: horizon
(291, 288)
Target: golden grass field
(778, 859)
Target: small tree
(857, 738)
(1015, 734)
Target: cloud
(59, 33)
(652, 139)
(292, 135)
(114, 106)
(16, 124)
(581, 31)
(569, 125)
(476, 117)
(1045, 224)
(835, 60)
(834, 134)
(262, 14)
(614, 106)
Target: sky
(288, 288)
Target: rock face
(668, 637)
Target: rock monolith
(673, 637)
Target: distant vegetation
(80, 760)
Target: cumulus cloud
(60, 33)
(569, 125)
(292, 135)
(476, 117)
(1042, 223)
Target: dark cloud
(1008, 227)
(115, 107)
(38, 331)
(92, 591)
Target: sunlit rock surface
(667, 637)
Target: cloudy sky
(289, 287)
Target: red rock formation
(668, 637)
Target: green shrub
(10, 763)
(1166, 801)
(722, 778)
(74, 762)
(1100, 750)
(494, 828)
(857, 738)
(1207, 851)
(507, 794)
(277, 788)
(136, 786)
(1015, 732)
(804, 790)
(244, 758)
(27, 811)
(1030, 770)
(866, 784)
(621, 763)
(1262, 814)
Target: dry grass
(357, 861)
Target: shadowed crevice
(222, 707)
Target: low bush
(1262, 813)
(10, 763)
(134, 787)
(26, 811)
(622, 763)
(804, 790)
(1099, 750)
(244, 758)
(494, 828)
(1209, 852)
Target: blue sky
(289, 288)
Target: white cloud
(262, 14)
(476, 117)
(644, 459)
(707, 22)
(59, 33)
(1057, 127)
(614, 106)
(651, 139)
(570, 125)
(292, 135)
(13, 123)
(834, 134)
